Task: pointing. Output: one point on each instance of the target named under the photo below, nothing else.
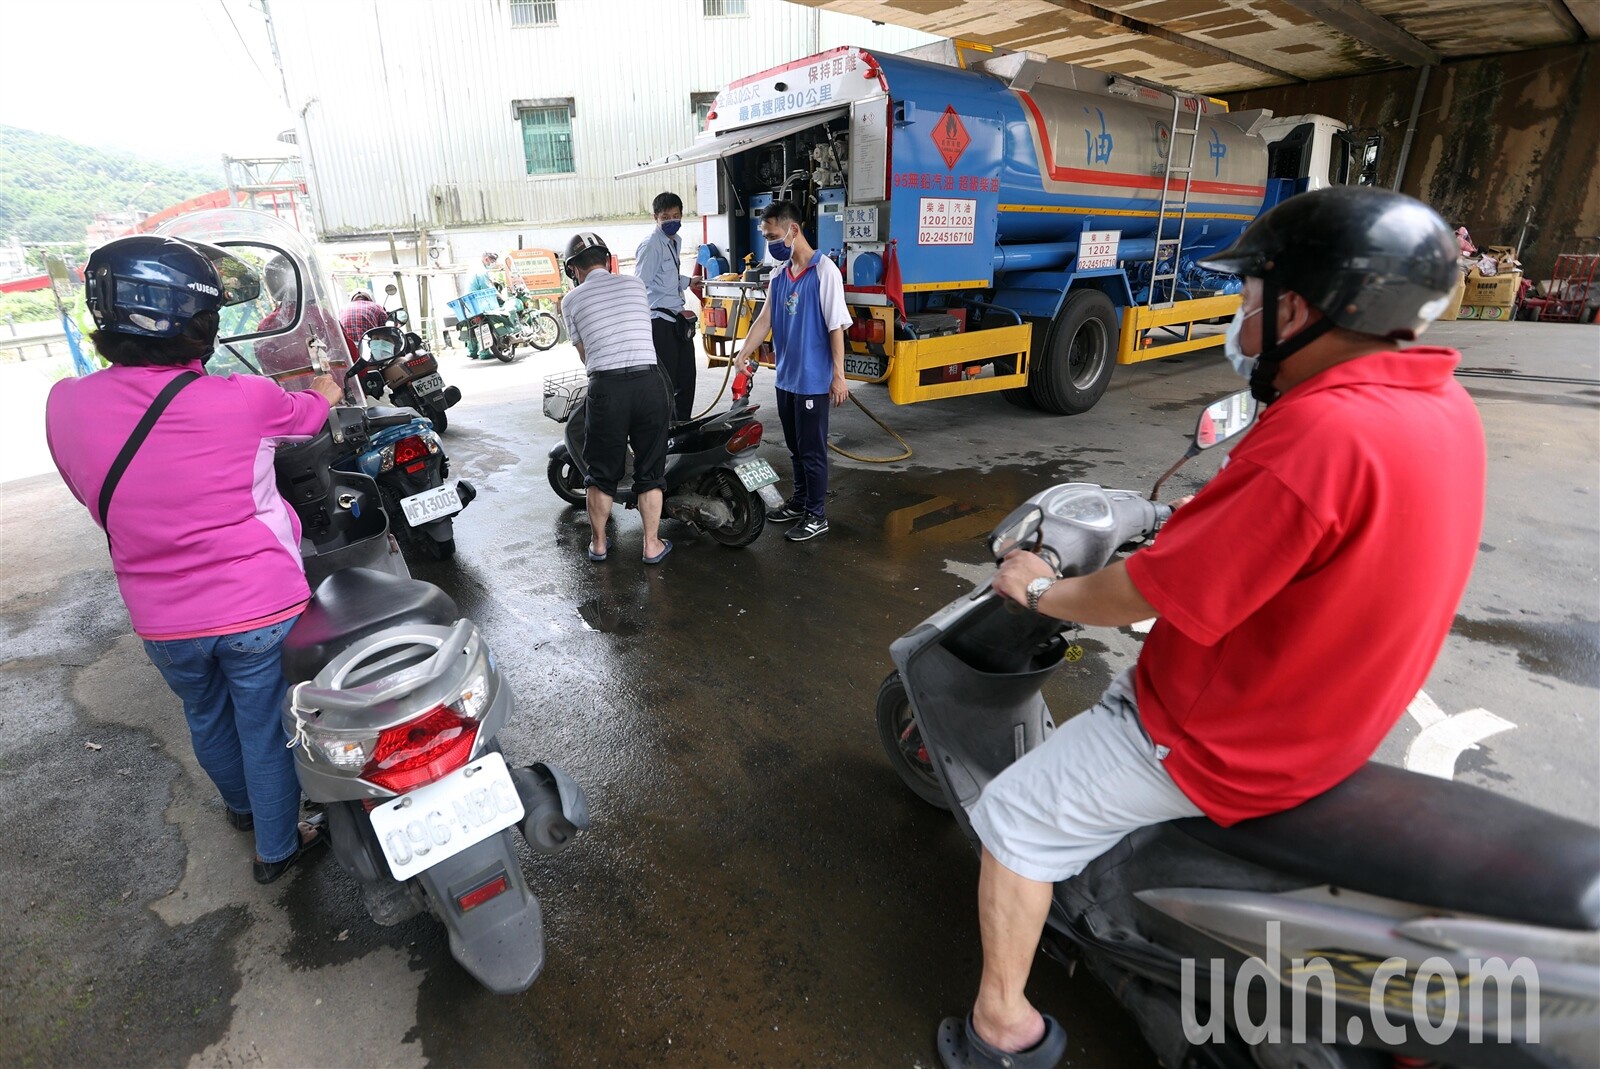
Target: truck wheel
(1079, 356)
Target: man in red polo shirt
(1302, 596)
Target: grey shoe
(810, 528)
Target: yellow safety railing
(1137, 320)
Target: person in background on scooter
(359, 316)
(483, 280)
(629, 403)
(808, 345)
(658, 263)
(1266, 679)
(205, 551)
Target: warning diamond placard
(950, 135)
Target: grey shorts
(1095, 779)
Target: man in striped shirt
(629, 403)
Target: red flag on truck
(891, 278)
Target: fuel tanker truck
(1002, 222)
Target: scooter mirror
(400, 317)
(1023, 529)
(1225, 419)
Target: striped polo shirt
(609, 315)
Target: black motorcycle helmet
(582, 246)
(147, 286)
(1371, 261)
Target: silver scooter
(1398, 919)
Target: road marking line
(1445, 738)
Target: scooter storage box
(562, 392)
(397, 373)
(475, 303)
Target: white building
(489, 115)
(13, 260)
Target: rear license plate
(430, 505)
(485, 336)
(428, 384)
(756, 474)
(438, 821)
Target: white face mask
(1243, 364)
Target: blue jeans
(233, 688)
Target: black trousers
(626, 409)
(675, 354)
(805, 431)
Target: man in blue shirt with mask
(657, 264)
(806, 313)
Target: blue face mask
(671, 227)
(779, 250)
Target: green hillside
(50, 187)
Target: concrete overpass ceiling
(1220, 46)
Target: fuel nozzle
(743, 381)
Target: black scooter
(397, 361)
(1384, 923)
(714, 479)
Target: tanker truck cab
(1002, 222)
(1312, 151)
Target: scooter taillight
(410, 451)
(421, 750)
(746, 437)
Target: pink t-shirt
(200, 538)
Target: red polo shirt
(1306, 591)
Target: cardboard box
(1453, 306)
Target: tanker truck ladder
(1170, 250)
(1162, 310)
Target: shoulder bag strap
(136, 439)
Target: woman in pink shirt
(205, 551)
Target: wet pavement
(758, 888)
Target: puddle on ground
(1565, 650)
(608, 619)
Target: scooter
(1396, 920)
(393, 713)
(397, 362)
(714, 479)
(494, 330)
(408, 461)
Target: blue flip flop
(596, 557)
(659, 557)
(960, 1047)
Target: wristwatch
(1036, 590)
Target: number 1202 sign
(1098, 249)
(945, 221)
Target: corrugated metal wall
(443, 147)
(1495, 137)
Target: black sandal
(268, 871)
(960, 1047)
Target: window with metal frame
(526, 13)
(700, 104)
(547, 140)
(725, 9)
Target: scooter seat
(1431, 842)
(350, 605)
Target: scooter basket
(562, 392)
(474, 303)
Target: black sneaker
(811, 528)
(788, 512)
